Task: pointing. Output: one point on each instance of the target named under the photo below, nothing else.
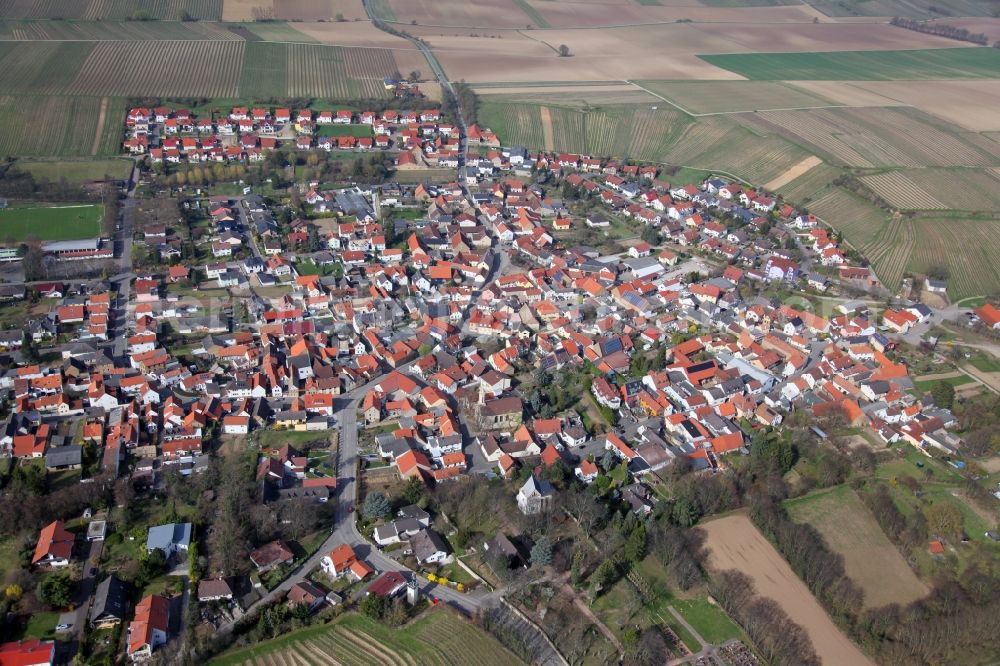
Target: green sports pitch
(48, 223)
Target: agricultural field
(497, 14)
(870, 559)
(701, 97)
(41, 67)
(62, 222)
(734, 543)
(881, 137)
(954, 189)
(437, 637)
(973, 246)
(900, 191)
(72, 126)
(92, 10)
(859, 220)
(644, 52)
(920, 9)
(113, 30)
(637, 131)
(968, 104)
(719, 144)
(944, 63)
(276, 32)
(161, 69)
(265, 70)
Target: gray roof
(110, 600)
(425, 543)
(62, 456)
(166, 537)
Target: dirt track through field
(734, 543)
(794, 172)
(547, 140)
(100, 126)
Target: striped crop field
(264, 71)
(439, 638)
(956, 189)
(167, 69)
(114, 30)
(60, 125)
(860, 221)
(973, 269)
(41, 67)
(94, 10)
(900, 191)
(522, 121)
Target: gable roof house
(110, 603)
(535, 496)
(149, 629)
(54, 547)
(169, 538)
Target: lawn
(47, 223)
(710, 621)
(954, 381)
(275, 439)
(41, 625)
(77, 171)
(958, 63)
(345, 130)
(436, 637)
(985, 363)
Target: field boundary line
(99, 134)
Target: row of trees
(941, 30)
(781, 641)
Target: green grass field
(924, 387)
(51, 223)
(959, 63)
(436, 637)
(76, 171)
(41, 625)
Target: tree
(609, 461)
(563, 51)
(56, 590)
(943, 394)
(944, 518)
(650, 235)
(605, 574)
(374, 606)
(154, 564)
(376, 506)
(541, 552)
(635, 546)
(414, 76)
(28, 350)
(414, 490)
